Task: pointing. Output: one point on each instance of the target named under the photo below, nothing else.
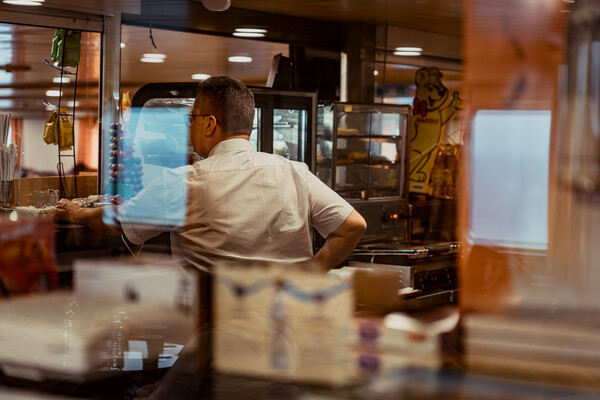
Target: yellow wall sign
(433, 107)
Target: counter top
(189, 379)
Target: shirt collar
(231, 145)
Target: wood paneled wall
(87, 184)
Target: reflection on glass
(26, 44)
(574, 253)
(383, 151)
(324, 143)
(256, 124)
(380, 124)
(511, 149)
(161, 132)
(150, 146)
(289, 132)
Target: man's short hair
(230, 101)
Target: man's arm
(341, 242)
(67, 211)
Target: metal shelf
(63, 189)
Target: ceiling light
(153, 58)
(154, 55)
(249, 32)
(240, 59)
(24, 2)
(375, 72)
(73, 103)
(53, 93)
(123, 45)
(216, 5)
(407, 53)
(200, 77)
(57, 79)
(401, 48)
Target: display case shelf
(370, 137)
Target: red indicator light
(395, 216)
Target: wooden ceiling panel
(190, 53)
(22, 48)
(439, 16)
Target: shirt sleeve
(328, 210)
(159, 207)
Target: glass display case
(286, 123)
(362, 149)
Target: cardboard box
(278, 322)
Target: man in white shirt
(240, 204)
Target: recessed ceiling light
(249, 32)
(123, 45)
(57, 79)
(73, 103)
(240, 59)
(200, 77)
(375, 72)
(53, 93)
(154, 55)
(24, 2)
(216, 5)
(401, 48)
(152, 60)
(407, 53)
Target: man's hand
(67, 211)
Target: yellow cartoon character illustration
(430, 113)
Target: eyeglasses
(190, 117)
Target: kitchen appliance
(427, 275)
(426, 272)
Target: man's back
(245, 204)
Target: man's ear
(211, 125)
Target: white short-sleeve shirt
(237, 204)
